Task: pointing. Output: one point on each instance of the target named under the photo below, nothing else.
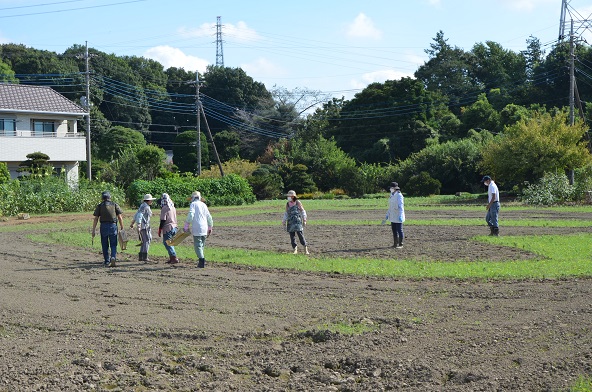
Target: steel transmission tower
(219, 50)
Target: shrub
(42, 195)
(423, 184)
(551, 189)
(228, 190)
(4, 173)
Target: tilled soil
(69, 324)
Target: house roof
(41, 99)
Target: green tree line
(464, 113)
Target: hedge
(226, 191)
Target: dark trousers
(397, 229)
(300, 237)
(109, 237)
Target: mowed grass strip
(559, 256)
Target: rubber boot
(306, 250)
(201, 263)
(295, 250)
(395, 240)
(141, 256)
(491, 229)
(495, 231)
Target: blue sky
(337, 47)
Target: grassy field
(559, 255)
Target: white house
(39, 119)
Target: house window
(7, 127)
(43, 128)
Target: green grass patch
(559, 256)
(349, 328)
(582, 384)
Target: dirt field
(69, 324)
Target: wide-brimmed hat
(195, 195)
(291, 193)
(148, 196)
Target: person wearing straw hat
(142, 219)
(295, 220)
(109, 213)
(201, 226)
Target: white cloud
(378, 77)
(262, 68)
(363, 27)
(174, 57)
(239, 32)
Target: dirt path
(66, 323)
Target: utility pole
(88, 157)
(219, 50)
(572, 75)
(211, 140)
(198, 106)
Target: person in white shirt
(493, 205)
(396, 214)
(201, 226)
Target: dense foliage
(225, 191)
(50, 194)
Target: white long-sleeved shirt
(396, 210)
(200, 218)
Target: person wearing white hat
(142, 219)
(201, 226)
(295, 220)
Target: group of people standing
(200, 220)
(108, 213)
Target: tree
(234, 101)
(151, 158)
(480, 114)
(449, 70)
(37, 165)
(227, 145)
(119, 139)
(402, 111)
(455, 164)
(7, 74)
(499, 69)
(185, 152)
(4, 173)
(542, 143)
(296, 177)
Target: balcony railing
(28, 134)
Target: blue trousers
(167, 236)
(492, 215)
(109, 237)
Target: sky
(334, 47)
